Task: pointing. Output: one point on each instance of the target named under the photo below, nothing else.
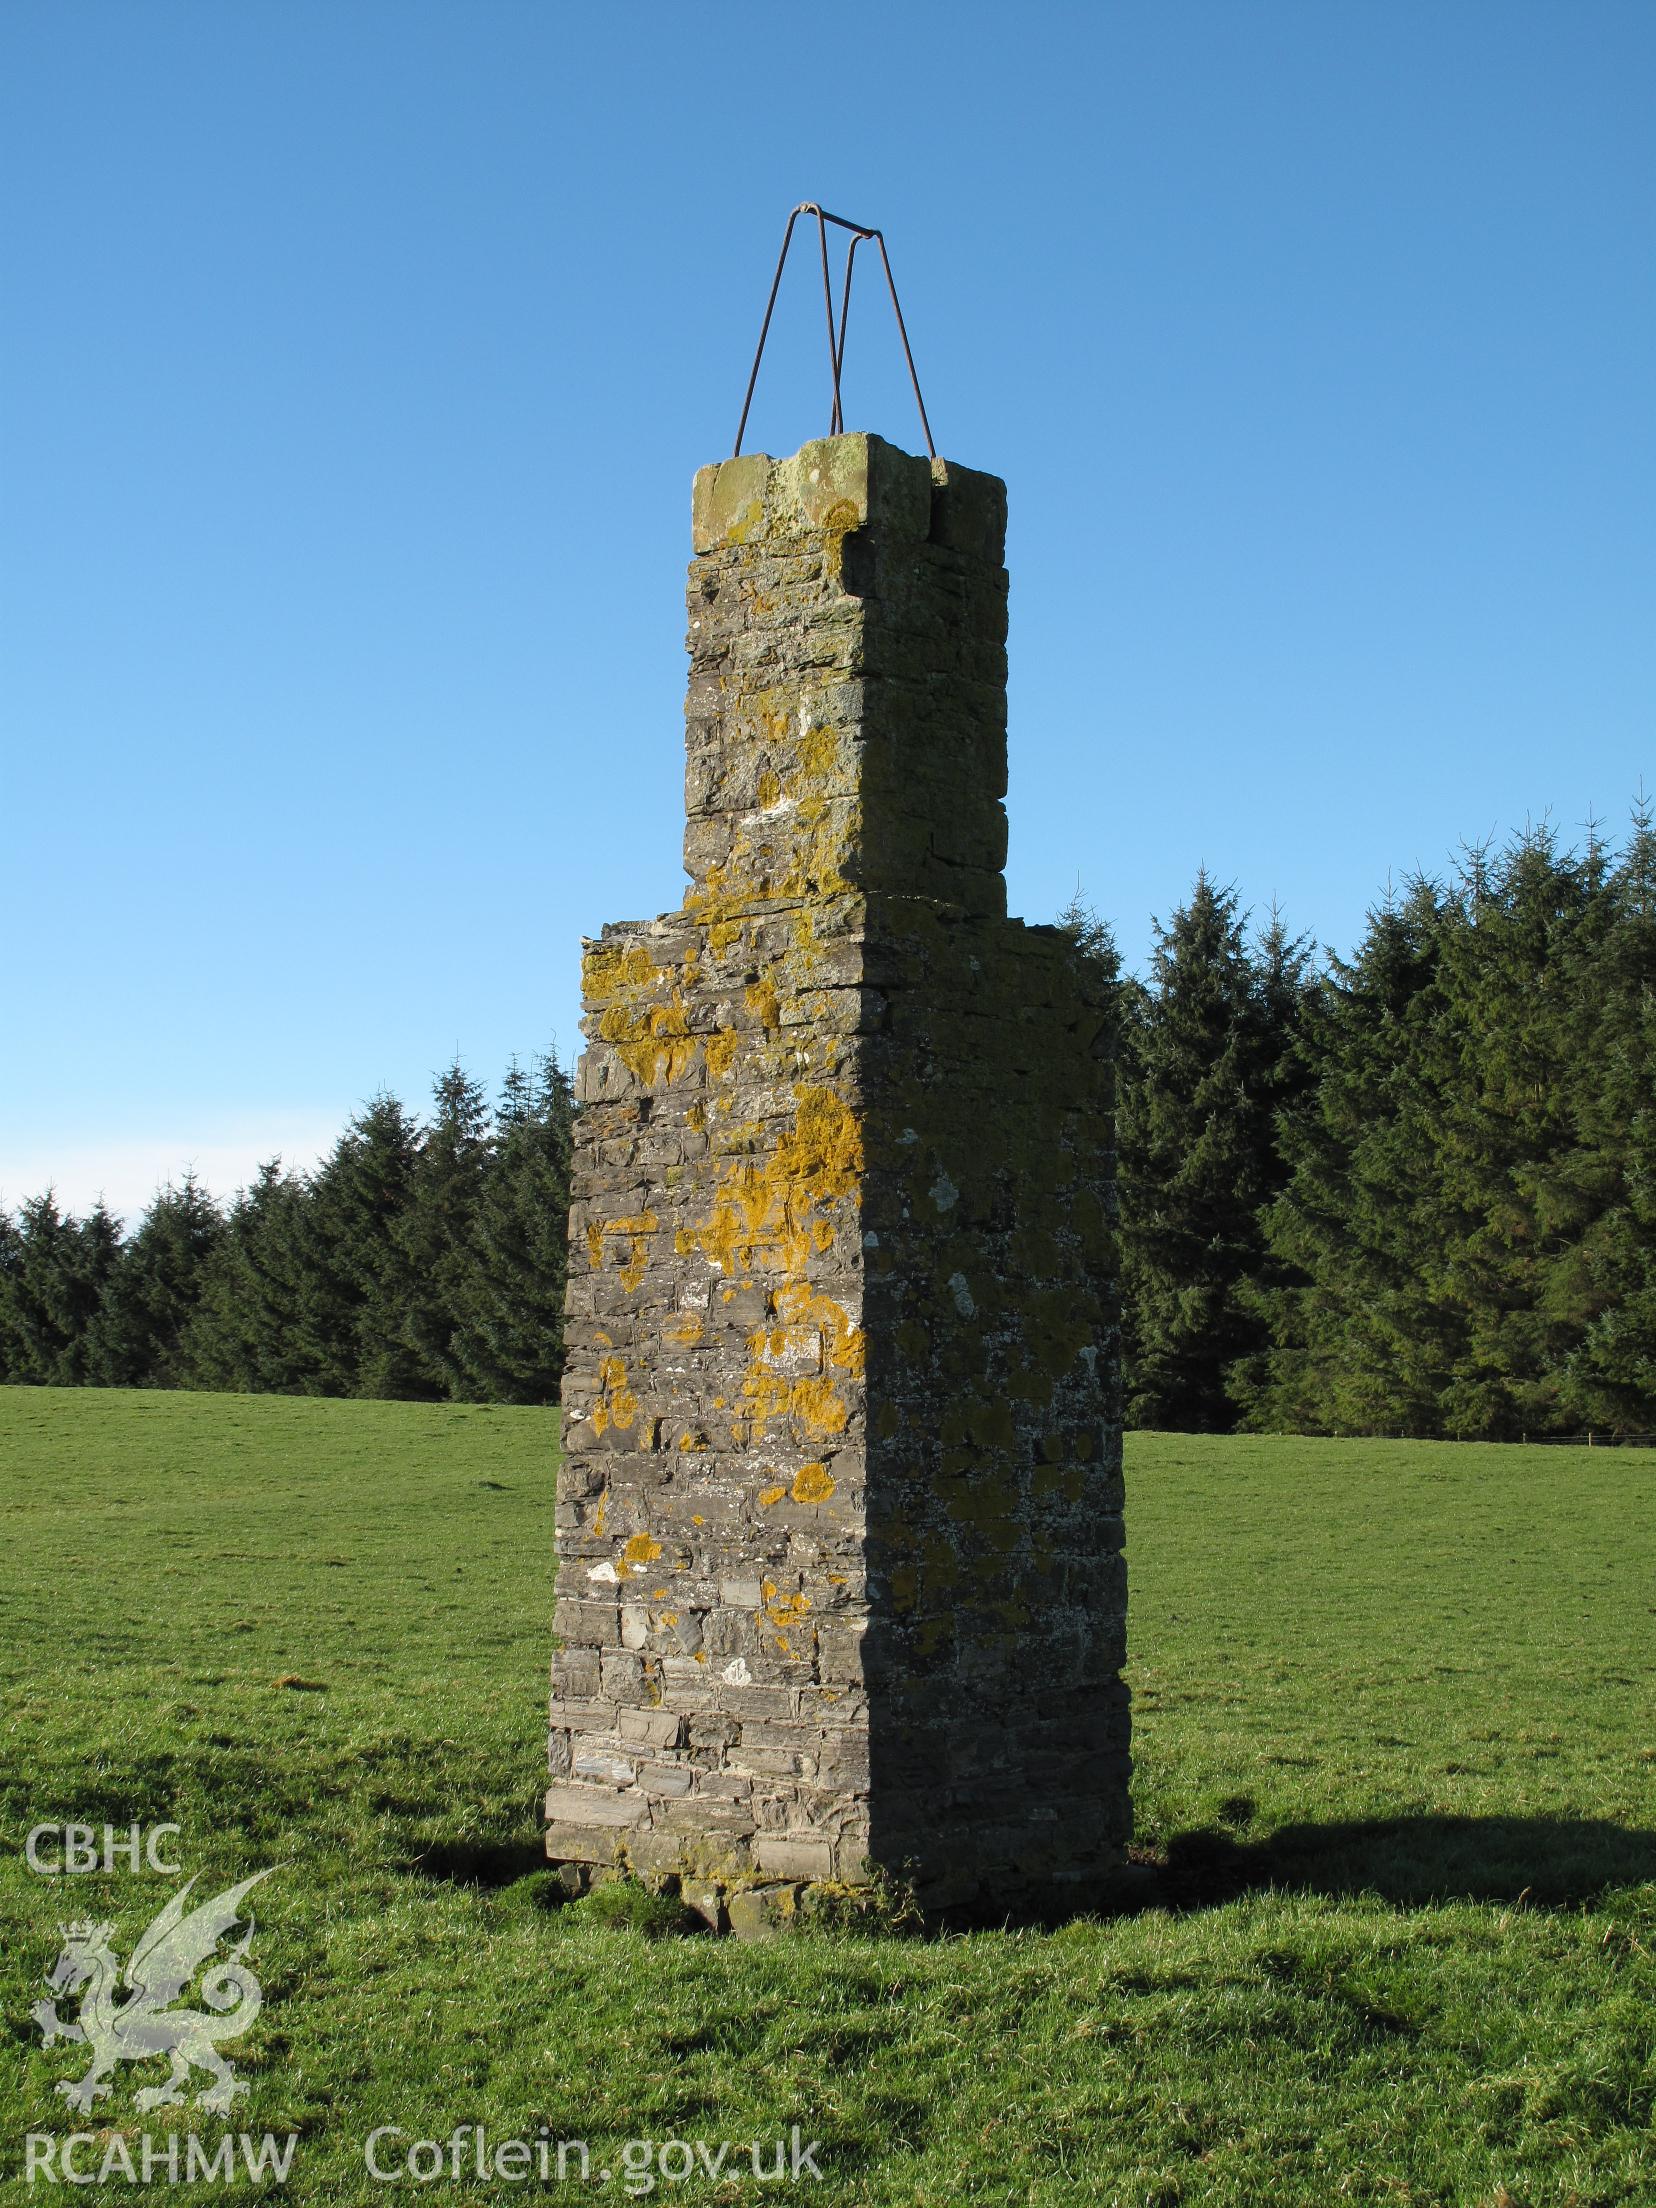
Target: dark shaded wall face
(839, 1522)
(998, 1720)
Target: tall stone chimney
(841, 1587)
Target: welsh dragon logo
(142, 2023)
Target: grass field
(1395, 1739)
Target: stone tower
(841, 1586)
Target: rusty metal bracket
(836, 336)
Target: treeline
(1412, 1192)
(417, 1261)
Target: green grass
(1395, 1741)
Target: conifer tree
(347, 1269)
(1200, 1076)
(1609, 1270)
(244, 1332)
(1355, 1344)
(1464, 1195)
(1502, 1068)
(434, 1238)
(136, 1339)
(11, 1261)
(1284, 990)
(1092, 935)
(510, 1339)
(54, 1269)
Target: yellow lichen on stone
(806, 861)
(642, 1549)
(818, 752)
(608, 968)
(843, 1345)
(770, 1495)
(632, 1272)
(636, 1233)
(763, 1002)
(825, 1150)
(813, 1483)
(842, 517)
(781, 1206)
(641, 1008)
(818, 1406)
(616, 1405)
(785, 1614)
(813, 1402)
(748, 523)
(653, 1042)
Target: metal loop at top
(836, 336)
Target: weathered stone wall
(839, 1525)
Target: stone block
(710, 1832)
(585, 1843)
(728, 502)
(652, 1728)
(793, 1855)
(575, 1674)
(763, 1912)
(603, 1765)
(856, 481)
(588, 1624)
(706, 1898)
(673, 1780)
(593, 1805)
(586, 1715)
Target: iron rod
(764, 330)
(836, 339)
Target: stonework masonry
(841, 1589)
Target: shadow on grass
(479, 1862)
(1412, 1861)
(1544, 1860)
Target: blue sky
(359, 354)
